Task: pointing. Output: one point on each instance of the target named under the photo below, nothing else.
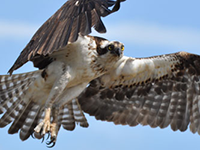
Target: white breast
(75, 57)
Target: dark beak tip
(117, 52)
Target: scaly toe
(43, 127)
(39, 127)
(46, 127)
(53, 130)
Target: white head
(108, 52)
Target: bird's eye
(110, 47)
(122, 48)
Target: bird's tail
(14, 107)
(19, 108)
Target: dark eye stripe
(101, 51)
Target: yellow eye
(110, 47)
(122, 48)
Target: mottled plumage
(158, 91)
(40, 102)
(81, 72)
(73, 18)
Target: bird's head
(112, 48)
(108, 52)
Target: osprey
(82, 72)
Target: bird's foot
(46, 127)
(53, 134)
(43, 127)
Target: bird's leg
(45, 124)
(54, 127)
(71, 93)
(66, 96)
(57, 89)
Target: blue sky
(146, 27)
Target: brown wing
(73, 18)
(158, 91)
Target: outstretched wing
(73, 18)
(157, 91)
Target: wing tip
(117, 5)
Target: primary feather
(158, 91)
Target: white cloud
(137, 32)
(154, 34)
(16, 29)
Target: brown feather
(159, 98)
(73, 18)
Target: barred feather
(68, 122)
(14, 105)
(159, 91)
(79, 117)
(72, 114)
(18, 106)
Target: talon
(49, 142)
(42, 139)
(32, 135)
(49, 134)
(54, 143)
(47, 127)
(53, 140)
(44, 127)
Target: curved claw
(42, 139)
(49, 134)
(32, 135)
(52, 141)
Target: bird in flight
(78, 72)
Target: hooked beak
(117, 51)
